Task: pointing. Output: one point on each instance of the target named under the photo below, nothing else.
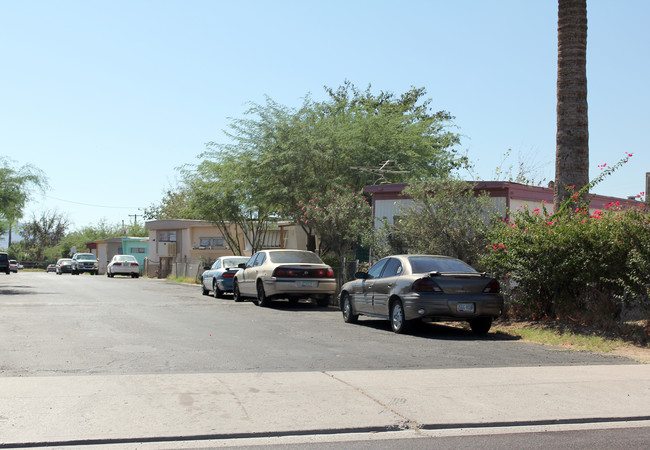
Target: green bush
(575, 264)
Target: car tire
(262, 299)
(398, 322)
(346, 309)
(204, 291)
(235, 292)
(481, 325)
(218, 293)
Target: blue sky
(108, 98)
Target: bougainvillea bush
(576, 264)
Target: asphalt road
(65, 325)
(139, 363)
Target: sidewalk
(88, 409)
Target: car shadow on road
(15, 290)
(302, 305)
(446, 331)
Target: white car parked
(123, 265)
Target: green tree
(446, 218)
(572, 140)
(175, 204)
(41, 233)
(286, 154)
(339, 218)
(17, 185)
(228, 192)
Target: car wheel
(262, 299)
(346, 308)
(323, 301)
(136, 275)
(398, 321)
(235, 292)
(204, 291)
(481, 325)
(218, 293)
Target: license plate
(465, 307)
(307, 284)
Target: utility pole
(135, 218)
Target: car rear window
(234, 262)
(425, 264)
(126, 258)
(294, 257)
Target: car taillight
(493, 287)
(117, 264)
(288, 272)
(325, 273)
(228, 275)
(425, 285)
(134, 265)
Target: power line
(94, 206)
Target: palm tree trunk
(572, 140)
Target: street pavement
(124, 410)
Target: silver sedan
(402, 288)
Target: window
(251, 262)
(210, 242)
(375, 271)
(167, 236)
(137, 249)
(393, 268)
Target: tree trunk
(572, 140)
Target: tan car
(290, 274)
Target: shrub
(574, 264)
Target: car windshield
(85, 257)
(123, 258)
(234, 262)
(64, 262)
(294, 257)
(425, 264)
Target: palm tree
(572, 140)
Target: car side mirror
(242, 265)
(361, 275)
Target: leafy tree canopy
(17, 184)
(290, 153)
(278, 156)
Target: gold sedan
(290, 274)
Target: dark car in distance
(4, 263)
(63, 265)
(402, 288)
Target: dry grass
(629, 339)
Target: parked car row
(8, 265)
(399, 288)
(86, 262)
